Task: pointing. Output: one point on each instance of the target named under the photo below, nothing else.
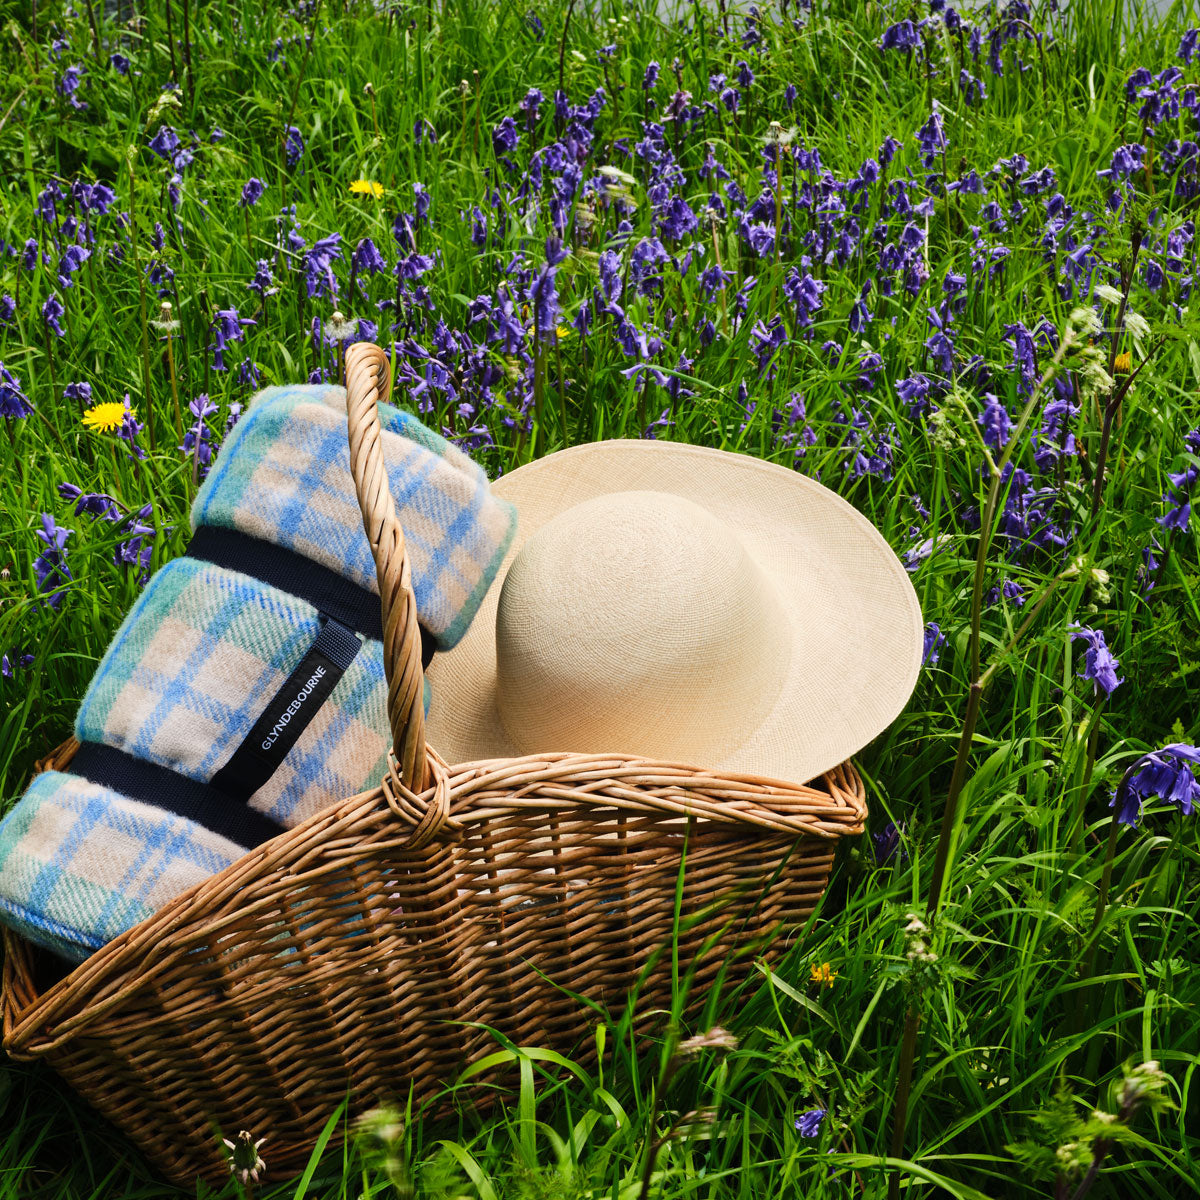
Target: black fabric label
(289, 712)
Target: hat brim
(854, 633)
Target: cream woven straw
(686, 604)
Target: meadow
(938, 257)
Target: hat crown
(638, 623)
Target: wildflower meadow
(938, 256)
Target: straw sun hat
(685, 604)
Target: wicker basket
(344, 955)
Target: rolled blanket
(245, 690)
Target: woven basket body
(343, 957)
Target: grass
(1038, 983)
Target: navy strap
(288, 712)
(163, 788)
(345, 601)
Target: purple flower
(293, 145)
(887, 844)
(1164, 774)
(318, 266)
(805, 293)
(165, 142)
(52, 310)
(1100, 666)
(81, 392)
(934, 640)
(1187, 45)
(505, 137)
(1183, 483)
(119, 63)
(227, 327)
(97, 505)
(263, 279)
(766, 340)
(68, 85)
(130, 428)
(543, 293)
(932, 139)
(650, 78)
(995, 422)
(14, 404)
(73, 257)
(197, 441)
(252, 191)
(901, 36)
(366, 257)
(808, 1124)
(50, 567)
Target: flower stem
(979, 680)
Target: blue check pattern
(204, 647)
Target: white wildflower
(1108, 293)
(1137, 325)
(715, 1039)
(1093, 378)
(1085, 322)
(341, 328)
(616, 175)
(166, 322)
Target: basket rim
(35, 1025)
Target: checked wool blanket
(245, 690)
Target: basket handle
(368, 384)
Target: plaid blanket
(284, 477)
(192, 666)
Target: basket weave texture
(344, 956)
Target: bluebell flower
(227, 327)
(97, 505)
(1187, 45)
(128, 433)
(50, 567)
(79, 392)
(263, 280)
(766, 340)
(366, 257)
(808, 1124)
(319, 278)
(165, 142)
(1100, 665)
(887, 845)
(252, 191)
(505, 137)
(650, 78)
(119, 63)
(901, 36)
(995, 422)
(14, 404)
(293, 145)
(68, 85)
(52, 311)
(932, 139)
(1165, 774)
(933, 641)
(71, 260)
(197, 442)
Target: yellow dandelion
(105, 418)
(823, 975)
(1124, 363)
(366, 187)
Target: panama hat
(685, 604)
